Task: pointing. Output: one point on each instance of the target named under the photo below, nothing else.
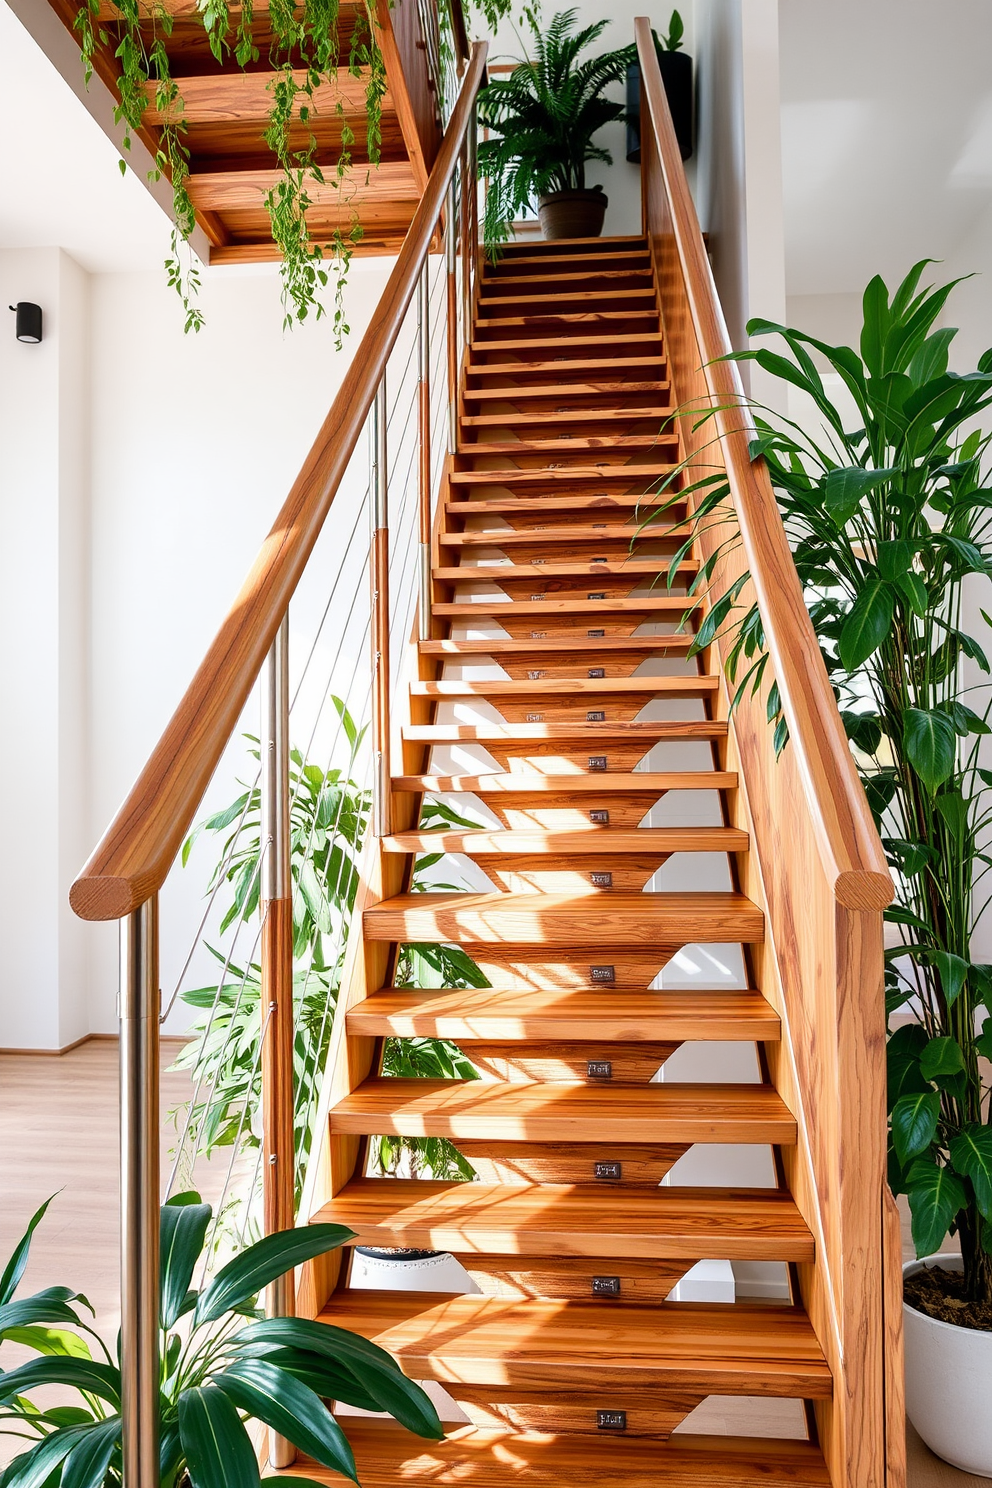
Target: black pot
(676, 74)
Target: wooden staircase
(555, 702)
(617, 821)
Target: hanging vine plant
(304, 49)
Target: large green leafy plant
(223, 1364)
(889, 514)
(542, 118)
(328, 816)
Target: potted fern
(541, 121)
(887, 501)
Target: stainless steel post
(276, 895)
(139, 1088)
(379, 567)
(424, 436)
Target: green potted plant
(889, 513)
(541, 121)
(676, 74)
(223, 1365)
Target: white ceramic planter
(433, 1271)
(949, 1383)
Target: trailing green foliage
(889, 522)
(542, 119)
(306, 51)
(222, 1364)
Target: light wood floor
(58, 1131)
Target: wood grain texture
(689, 1346)
(135, 854)
(556, 919)
(387, 1455)
(468, 1014)
(570, 1220)
(593, 840)
(564, 1113)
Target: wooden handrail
(136, 852)
(849, 844)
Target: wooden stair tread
(553, 390)
(593, 687)
(622, 568)
(645, 732)
(591, 841)
(578, 364)
(486, 1013)
(616, 414)
(571, 1219)
(538, 343)
(518, 477)
(388, 1456)
(492, 606)
(596, 782)
(569, 1112)
(494, 537)
(695, 1346)
(567, 919)
(550, 646)
(549, 296)
(576, 442)
(522, 505)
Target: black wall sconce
(28, 324)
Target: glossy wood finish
(556, 919)
(388, 1456)
(565, 1113)
(710, 1349)
(816, 863)
(570, 1220)
(466, 1015)
(139, 847)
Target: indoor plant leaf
(289, 1407)
(87, 1463)
(218, 1449)
(931, 745)
(971, 1154)
(914, 1122)
(14, 1269)
(935, 1196)
(83, 1374)
(260, 1264)
(183, 1231)
(867, 624)
(377, 1370)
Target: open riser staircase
(596, 723)
(617, 814)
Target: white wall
(139, 471)
(738, 180)
(196, 442)
(44, 580)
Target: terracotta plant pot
(947, 1382)
(572, 214)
